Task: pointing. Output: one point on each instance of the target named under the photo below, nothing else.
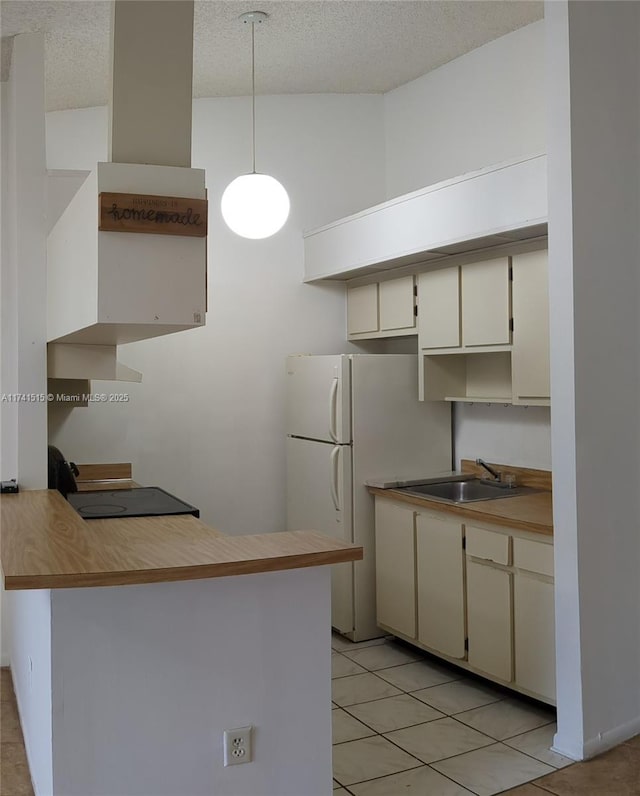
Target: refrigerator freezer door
(319, 498)
(318, 398)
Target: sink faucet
(489, 469)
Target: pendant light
(254, 205)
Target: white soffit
(333, 46)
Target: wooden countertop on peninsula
(526, 513)
(45, 544)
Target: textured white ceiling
(339, 46)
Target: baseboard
(598, 744)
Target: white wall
(24, 451)
(29, 639)
(207, 422)
(168, 667)
(483, 108)
(8, 375)
(594, 209)
(77, 140)
(517, 435)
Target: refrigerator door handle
(333, 410)
(335, 459)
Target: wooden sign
(155, 215)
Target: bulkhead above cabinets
(476, 212)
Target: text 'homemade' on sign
(156, 215)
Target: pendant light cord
(253, 94)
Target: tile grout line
(537, 759)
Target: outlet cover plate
(237, 746)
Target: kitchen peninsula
(146, 644)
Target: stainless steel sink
(465, 491)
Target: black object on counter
(145, 501)
(61, 472)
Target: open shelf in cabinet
(476, 377)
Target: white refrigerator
(352, 418)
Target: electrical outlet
(237, 746)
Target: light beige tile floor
(14, 771)
(492, 769)
(439, 732)
(394, 713)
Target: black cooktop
(145, 501)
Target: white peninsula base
(144, 679)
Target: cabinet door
(397, 304)
(395, 568)
(489, 619)
(439, 309)
(486, 303)
(530, 357)
(362, 309)
(440, 574)
(534, 628)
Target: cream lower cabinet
(440, 584)
(490, 608)
(395, 568)
(534, 617)
(489, 601)
(510, 609)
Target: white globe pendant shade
(255, 206)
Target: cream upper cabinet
(530, 357)
(502, 353)
(382, 309)
(486, 303)
(395, 579)
(439, 309)
(362, 309)
(397, 304)
(465, 307)
(440, 584)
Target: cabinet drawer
(488, 545)
(533, 556)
